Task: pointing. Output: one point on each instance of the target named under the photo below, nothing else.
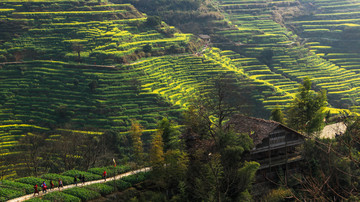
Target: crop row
(288, 62)
(12, 189)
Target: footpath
(30, 196)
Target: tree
(77, 47)
(306, 112)
(266, 56)
(32, 147)
(157, 151)
(219, 103)
(217, 170)
(93, 85)
(170, 135)
(147, 48)
(137, 145)
(153, 21)
(277, 115)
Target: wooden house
(275, 146)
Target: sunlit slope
(332, 31)
(257, 28)
(82, 32)
(61, 69)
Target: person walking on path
(75, 180)
(83, 179)
(36, 191)
(51, 184)
(60, 184)
(43, 186)
(104, 175)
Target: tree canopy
(306, 112)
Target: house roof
(204, 36)
(258, 129)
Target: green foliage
(217, 162)
(278, 195)
(147, 48)
(306, 112)
(10, 193)
(153, 21)
(135, 134)
(61, 196)
(134, 179)
(266, 56)
(157, 151)
(55, 177)
(82, 193)
(30, 180)
(120, 184)
(103, 189)
(119, 169)
(277, 115)
(37, 200)
(88, 176)
(330, 166)
(170, 134)
(18, 186)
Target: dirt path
(29, 196)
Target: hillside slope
(69, 67)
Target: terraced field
(61, 65)
(87, 67)
(258, 32)
(332, 31)
(88, 33)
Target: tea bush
(82, 193)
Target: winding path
(29, 196)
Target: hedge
(134, 179)
(37, 200)
(31, 180)
(60, 196)
(82, 193)
(10, 193)
(88, 176)
(109, 170)
(18, 186)
(55, 177)
(103, 189)
(120, 184)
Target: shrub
(37, 200)
(120, 184)
(18, 186)
(134, 179)
(279, 194)
(60, 196)
(82, 193)
(30, 180)
(147, 48)
(10, 193)
(153, 21)
(88, 176)
(109, 170)
(55, 177)
(103, 189)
